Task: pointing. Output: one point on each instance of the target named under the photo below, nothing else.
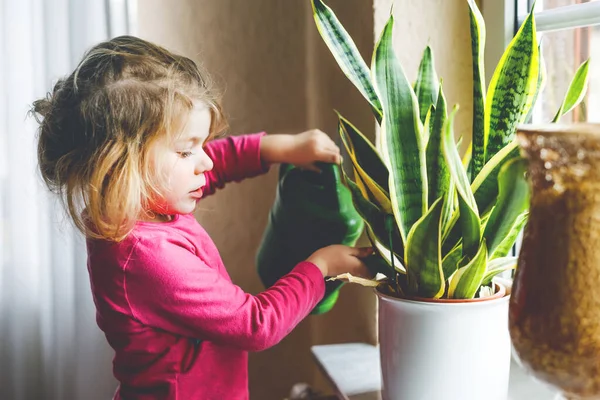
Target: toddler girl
(125, 140)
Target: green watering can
(311, 210)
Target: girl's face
(184, 163)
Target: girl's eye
(185, 154)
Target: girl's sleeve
(235, 158)
(170, 288)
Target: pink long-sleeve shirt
(179, 327)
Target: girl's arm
(171, 288)
(239, 157)
(301, 150)
(235, 158)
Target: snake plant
(443, 225)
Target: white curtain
(50, 346)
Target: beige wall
(278, 76)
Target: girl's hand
(338, 259)
(301, 150)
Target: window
(569, 35)
(121, 17)
(569, 31)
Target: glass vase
(554, 316)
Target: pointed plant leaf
(512, 88)
(438, 177)
(401, 141)
(385, 254)
(423, 254)
(428, 123)
(498, 266)
(345, 53)
(450, 261)
(367, 164)
(449, 206)
(485, 185)
(509, 241)
(454, 163)
(470, 226)
(469, 217)
(513, 200)
(576, 91)
(542, 74)
(378, 265)
(426, 87)
(466, 160)
(370, 213)
(356, 167)
(366, 153)
(479, 141)
(466, 281)
(373, 216)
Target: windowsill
(354, 373)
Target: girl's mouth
(197, 193)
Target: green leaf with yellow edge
(478, 144)
(509, 241)
(367, 163)
(450, 205)
(576, 91)
(423, 254)
(345, 53)
(357, 169)
(402, 147)
(466, 280)
(384, 252)
(374, 217)
(376, 264)
(498, 266)
(485, 185)
(426, 87)
(468, 214)
(512, 89)
(513, 201)
(438, 177)
(485, 191)
(466, 160)
(470, 226)
(427, 124)
(454, 163)
(542, 73)
(451, 261)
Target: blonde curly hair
(98, 125)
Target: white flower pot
(449, 351)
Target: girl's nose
(205, 163)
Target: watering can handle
(331, 179)
(328, 180)
(330, 173)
